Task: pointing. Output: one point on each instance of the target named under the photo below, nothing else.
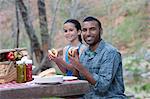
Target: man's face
(91, 32)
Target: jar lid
(28, 62)
(19, 62)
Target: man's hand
(78, 66)
(74, 60)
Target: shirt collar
(98, 49)
(100, 46)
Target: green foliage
(63, 11)
(137, 65)
(134, 6)
(139, 90)
(53, 98)
(129, 29)
(146, 87)
(102, 9)
(5, 3)
(131, 63)
(7, 43)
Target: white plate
(69, 78)
(48, 80)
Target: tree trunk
(18, 30)
(55, 6)
(43, 25)
(44, 33)
(35, 45)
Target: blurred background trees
(126, 24)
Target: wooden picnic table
(34, 91)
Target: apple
(10, 56)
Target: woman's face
(70, 32)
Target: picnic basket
(8, 70)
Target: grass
(52, 98)
(135, 83)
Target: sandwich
(72, 51)
(53, 52)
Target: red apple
(10, 56)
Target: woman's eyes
(65, 30)
(68, 30)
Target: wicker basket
(8, 71)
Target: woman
(72, 32)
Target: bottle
(25, 71)
(20, 72)
(28, 64)
(23, 59)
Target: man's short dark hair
(90, 18)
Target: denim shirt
(105, 65)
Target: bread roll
(48, 72)
(71, 52)
(53, 52)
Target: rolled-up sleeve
(109, 65)
(105, 66)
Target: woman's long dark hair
(77, 26)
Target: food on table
(17, 55)
(21, 72)
(10, 56)
(28, 64)
(71, 52)
(53, 52)
(48, 72)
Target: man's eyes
(91, 29)
(84, 30)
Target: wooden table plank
(67, 88)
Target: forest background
(38, 26)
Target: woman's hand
(50, 57)
(54, 58)
(59, 62)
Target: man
(100, 64)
